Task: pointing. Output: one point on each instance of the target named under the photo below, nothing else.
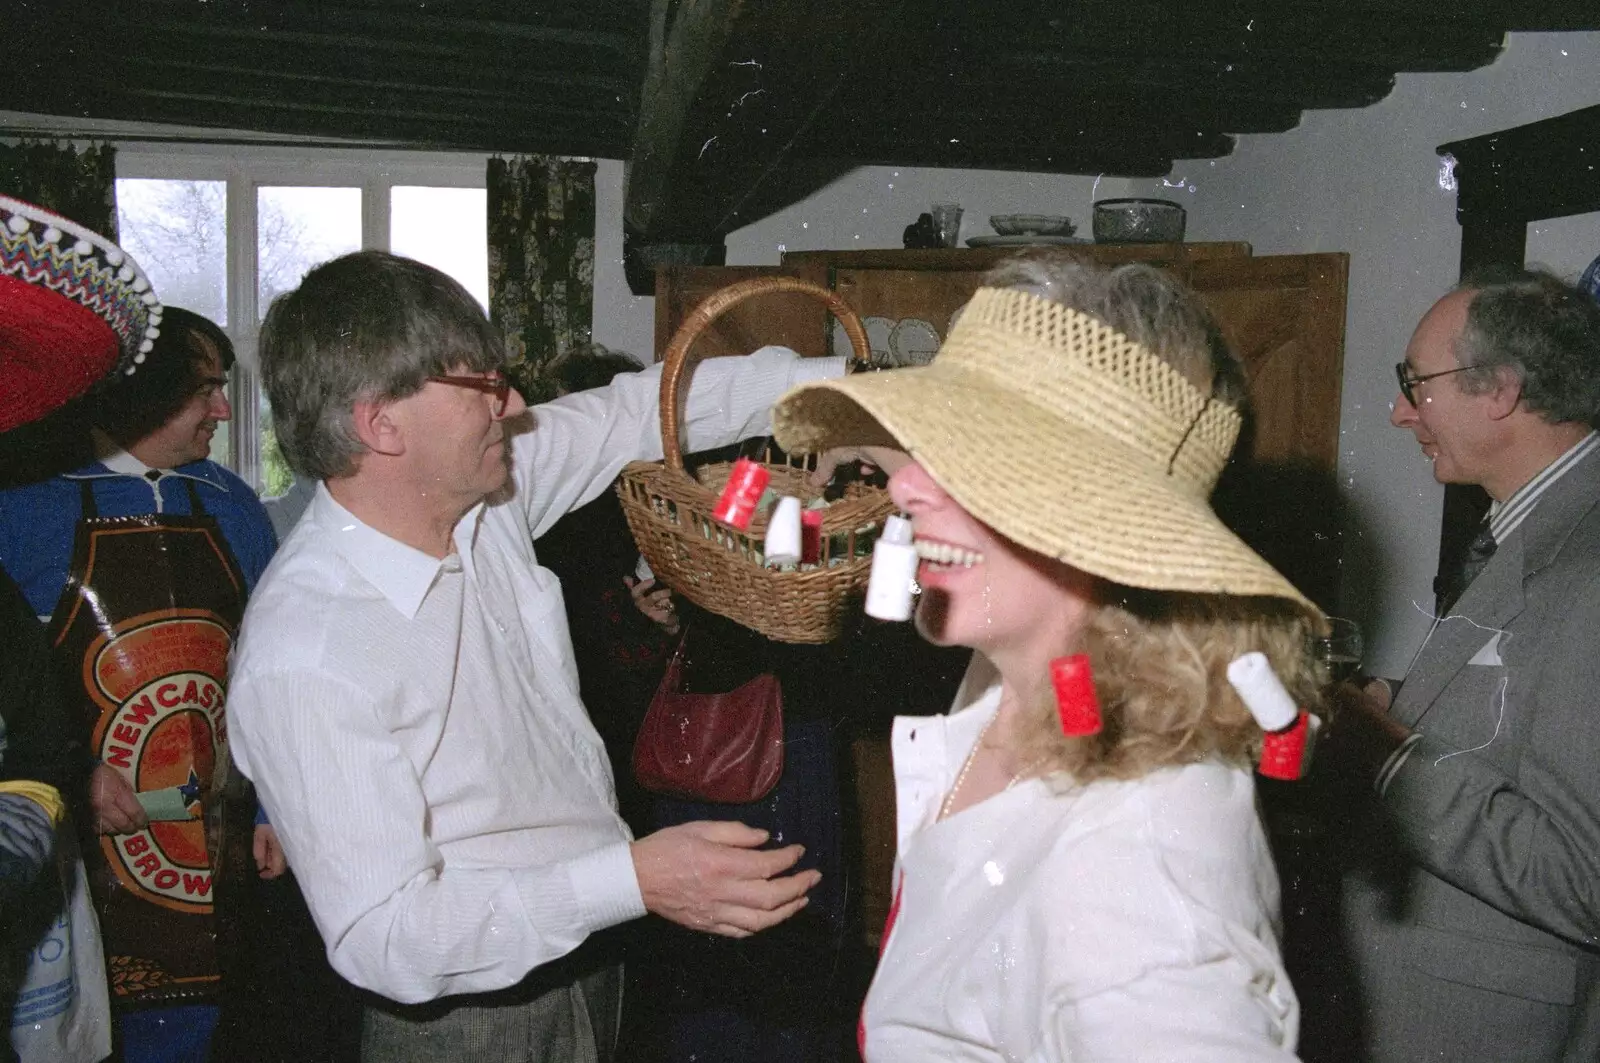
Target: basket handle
(713, 307)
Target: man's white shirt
(413, 724)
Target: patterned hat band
(74, 308)
(48, 251)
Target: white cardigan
(1117, 921)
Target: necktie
(1453, 585)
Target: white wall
(867, 208)
(622, 321)
(1367, 182)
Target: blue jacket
(37, 520)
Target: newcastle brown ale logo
(158, 681)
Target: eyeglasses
(1402, 371)
(495, 384)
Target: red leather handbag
(722, 748)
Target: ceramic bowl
(1138, 221)
(1032, 224)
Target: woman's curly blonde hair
(1160, 662)
(1160, 658)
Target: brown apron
(144, 626)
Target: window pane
(178, 231)
(298, 228)
(276, 476)
(448, 228)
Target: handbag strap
(672, 675)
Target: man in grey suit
(1473, 914)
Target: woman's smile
(947, 555)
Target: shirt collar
(110, 456)
(1504, 517)
(402, 574)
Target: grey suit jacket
(1474, 933)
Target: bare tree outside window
(178, 231)
(297, 228)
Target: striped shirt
(1504, 518)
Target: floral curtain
(541, 263)
(80, 185)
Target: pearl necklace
(966, 766)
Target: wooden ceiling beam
(438, 129)
(269, 87)
(1530, 172)
(353, 67)
(722, 114)
(686, 41)
(1154, 29)
(1324, 85)
(308, 22)
(1127, 155)
(1020, 109)
(1245, 14)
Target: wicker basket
(720, 568)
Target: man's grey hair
(1545, 331)
(368, 326)
(1145, 304)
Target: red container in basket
(737, 505)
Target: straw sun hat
(1063, 435)
(73, 306)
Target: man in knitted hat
(1473, 918)
(73, 308)
(141, 560)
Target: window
(223, 231)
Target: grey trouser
(572, 1022)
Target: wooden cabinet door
(1284, 317)
(788, 319)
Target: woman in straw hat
(1079, 877)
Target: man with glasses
(1473, 908)
(141, 560)
(405, 696)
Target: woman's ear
(377, 426)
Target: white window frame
(245, 169)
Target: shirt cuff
(606, 886)
(1396, 761)
(806, 370)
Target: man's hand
(710, 876)
(270, 861)
(886, 458)
(1361, 734)
(116, 808)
